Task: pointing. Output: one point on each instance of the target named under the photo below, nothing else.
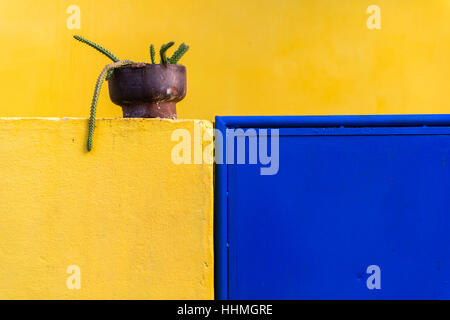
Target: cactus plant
(117, 63)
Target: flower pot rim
(138, 65)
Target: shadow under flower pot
(148, 90)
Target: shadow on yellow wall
(255, 57)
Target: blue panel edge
(221, 180)
(221, 223)
(333, 121)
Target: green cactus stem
(162, 51)
(97, 47)
(178, 53)
(98, 86)
(152, 54)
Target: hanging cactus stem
(98, 86)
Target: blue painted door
(359, 211)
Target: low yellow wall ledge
(120, 222)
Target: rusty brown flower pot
(148, 90)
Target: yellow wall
(137, 225)
(246, 57)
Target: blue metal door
(358, 209)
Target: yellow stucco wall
(246, 57)
(137, 225)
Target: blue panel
(350, 192)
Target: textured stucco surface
(137, 225)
